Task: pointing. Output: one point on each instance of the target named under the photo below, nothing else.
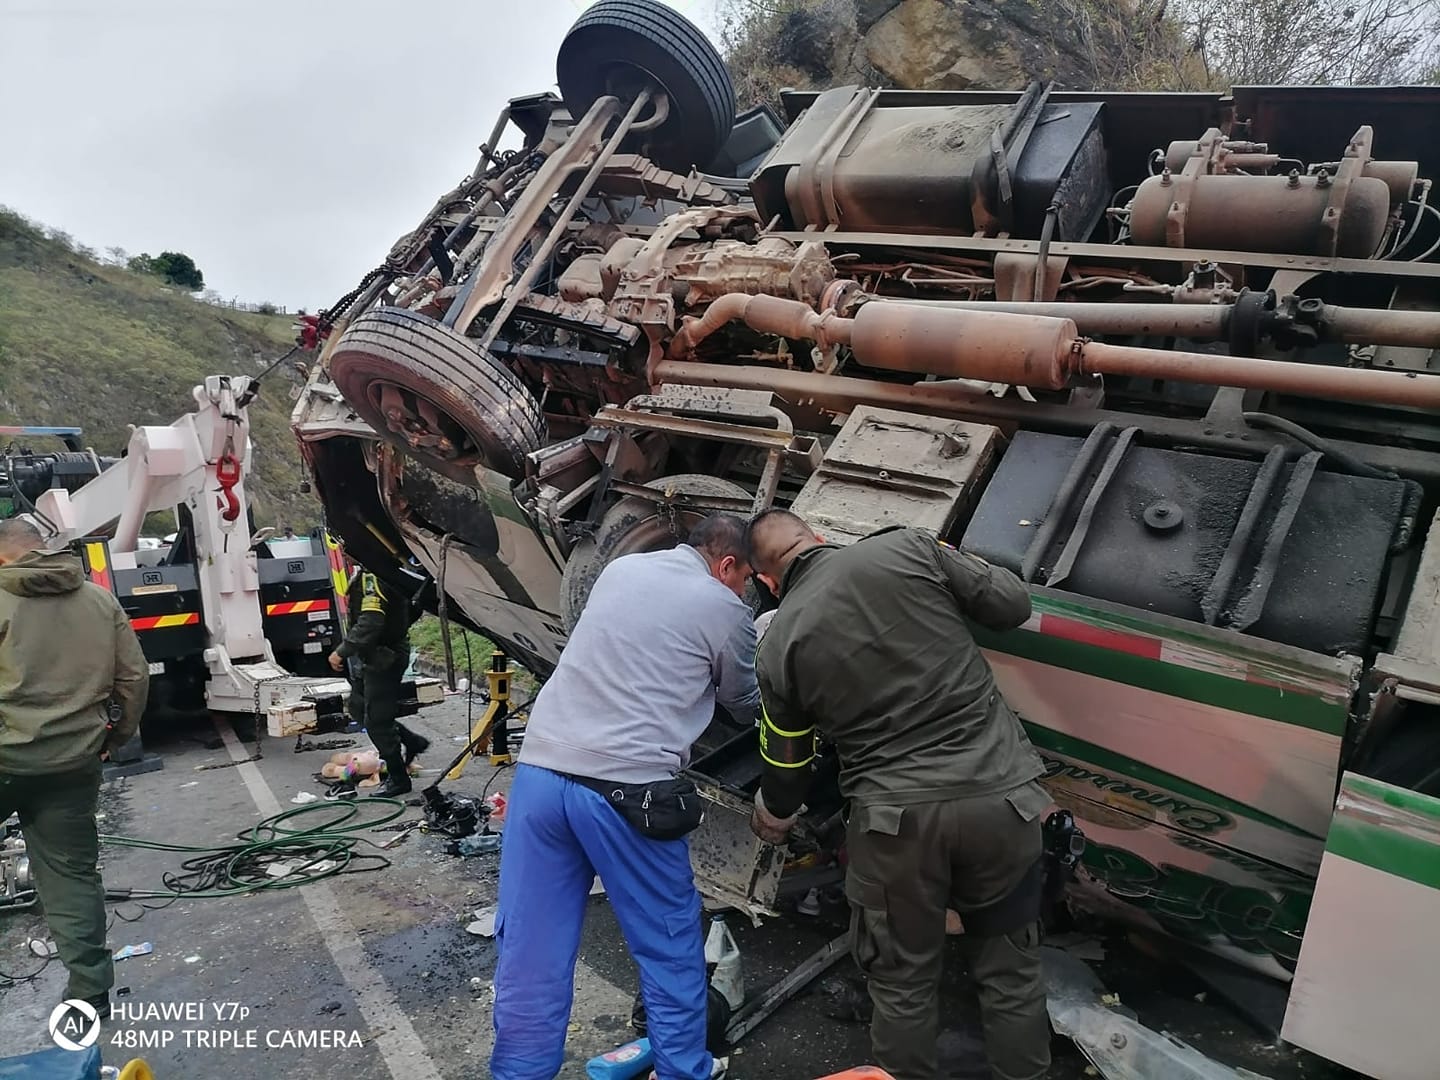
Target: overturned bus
(1168, 357)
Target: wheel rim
(427, 427)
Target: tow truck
(1171, 358)
(229, 622)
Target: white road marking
(403, 1052)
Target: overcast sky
(283, 144)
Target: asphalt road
(383, 959)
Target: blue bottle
(631, 1060)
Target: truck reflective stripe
(98, 565)
(296, 607)
(785, 749)
(165, 622)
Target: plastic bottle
(722, 960)
(632, 1059)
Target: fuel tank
(853, 163)
(1280, 549)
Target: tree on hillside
(175, 267)
(118, 255)
(1315, 42)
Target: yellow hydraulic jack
(492, 727)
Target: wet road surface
(372, 976)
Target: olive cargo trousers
(57, 819)
(907, 865)
(375, 702)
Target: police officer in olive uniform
(872, 646)
(379, 639)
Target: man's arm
(131, 689)
(735, 688)
(787, 747)
(991, 595)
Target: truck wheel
(632, 525)
(436, 395)
(620, 46)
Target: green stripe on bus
(1387, 850)
(1191, 684)
(1101, 758)
(1426, 806)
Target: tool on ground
(456, 815)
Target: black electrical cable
(1306, 437)
(498, 770)
(9, 979)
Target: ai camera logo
(74, 1024)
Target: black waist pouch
(661, 809)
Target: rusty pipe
(1280, 376)
(1029, 350)
(792, 319)
(1349, 326)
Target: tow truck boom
(200, 462)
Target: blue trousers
(558, 836)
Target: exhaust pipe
(1024, 350)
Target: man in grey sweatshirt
(664, 638)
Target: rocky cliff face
(954, 45)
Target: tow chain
(259, 728)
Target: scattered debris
(847, 999)
(192, 783)
(302, 797)
(809, 904)
(484, 924)
(192, 959)
(122, 991)
(331, 1007)
(483, 844)
(302, 744)
(42, 947)
(1081, 946)
(597, 887)
(953, 925)
(1113, 1040)
(145, 948)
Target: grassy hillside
(99, 347)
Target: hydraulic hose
(321, 850)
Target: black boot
(99, 1002)
(397, 779)
(393, 788)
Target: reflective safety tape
(373, 597)
(785, 749)
(297, 607)
(165, 622)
